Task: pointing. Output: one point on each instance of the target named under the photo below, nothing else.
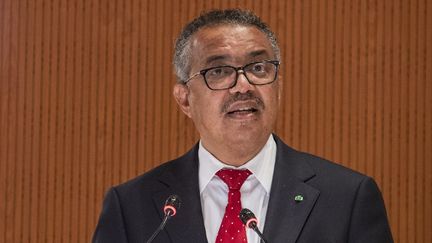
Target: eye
(219, 72)
(215, 72)
(258, 68)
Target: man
(227, 65)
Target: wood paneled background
(85, 101)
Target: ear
(181, 95)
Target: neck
(236, 155)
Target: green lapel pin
(299, 198)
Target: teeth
(248, 109)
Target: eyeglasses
(225, 77)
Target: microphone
(249, 220)
(172, 203)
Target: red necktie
(231, 228)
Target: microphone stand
(261, 236)
(249, 220)
(172, 203)
(161, 226)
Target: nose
(242, 85)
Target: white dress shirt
(255, 192)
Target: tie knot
(233, 178)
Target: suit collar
(182, 179)
(286, 216)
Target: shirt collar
(262, 165)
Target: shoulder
(322, 172)
(161, 176)
(330, 169)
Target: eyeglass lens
(257, 73)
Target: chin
(248, 135)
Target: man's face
(239, 118)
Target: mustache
(248, 96)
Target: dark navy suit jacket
(339, 205)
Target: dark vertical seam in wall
(41, 89)
(13, 60)
(33, 114)
(2, 104)
(138, 90)
(26, 226)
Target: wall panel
(85, 101)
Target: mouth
(243, 111)
(243, 107)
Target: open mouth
(243, 111)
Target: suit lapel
(285, 218)
(182, 180)
(287, 214)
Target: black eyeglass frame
(203, 72)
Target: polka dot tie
(231, 228)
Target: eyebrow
(256, 53)
(215, 58)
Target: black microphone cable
(249, 220)
(172, 203)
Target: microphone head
(172, 203)
(248, 218)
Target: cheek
(272, 101)
(205, 109)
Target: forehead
(230, 42)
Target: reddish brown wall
(85, 101)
